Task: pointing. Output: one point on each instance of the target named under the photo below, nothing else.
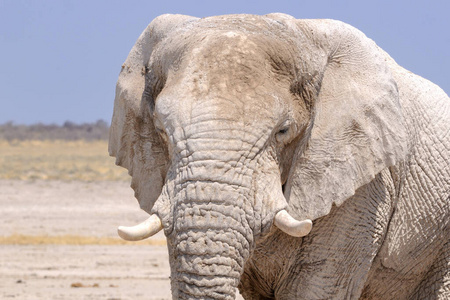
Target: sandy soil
(68, 266)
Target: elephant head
(229, 125)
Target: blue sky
(59, 60)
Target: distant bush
(68, 131)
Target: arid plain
(61, 202)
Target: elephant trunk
(210, 243)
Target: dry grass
(61, 160)
(20, 239)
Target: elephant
(286, 159)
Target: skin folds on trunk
(210, 241)
(211, 225)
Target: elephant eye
(283, 130)
(282, 134)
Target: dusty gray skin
(223, 122)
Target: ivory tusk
(285, 222)
(146, 229)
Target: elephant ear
(133, 139)
(357, 126)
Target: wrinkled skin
(223, 122)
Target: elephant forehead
(230, 65)
(226, 62)
(226, 57)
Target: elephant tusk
(285, 222)
(146, 229)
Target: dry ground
(60, 204)
(59, 241)
(58, 160)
